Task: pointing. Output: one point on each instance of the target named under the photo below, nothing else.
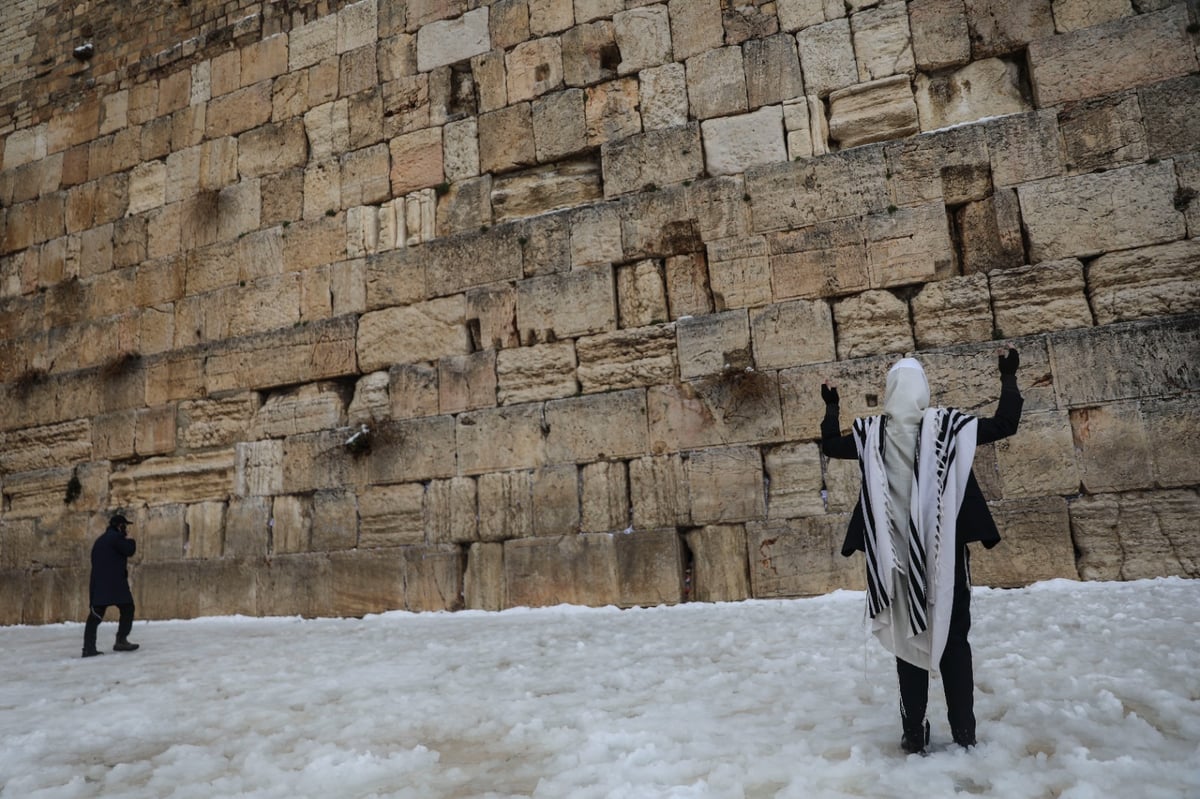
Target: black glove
(829, 394)
(1009, 362)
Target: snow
(1082, 690)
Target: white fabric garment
(913, 487)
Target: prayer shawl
(945, 448)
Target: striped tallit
(925, 569)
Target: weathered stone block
(827, 57)
(1137, 535)
(1152, 281)
(801, 557)
(626, 359)
(610, 111)
(451, 511)
(367, 581)
(954, 311)
(545, 188)
(659, 492)
(1103, 133)
(449, 41)
(939, 34)
(533, 69)
(505, 506)
(216, 422)
(506, 139)
(979, 90)
(596, 427)
(541, 315)
(185, 479)
(641, 294)
(1096, 213)
(712, 344)
(510, 437)
(589, 54)
(734, 144)
(1040, 298)
(658, 157)
(726, 485)
(291, 524)
(791, 334)
(604, 497)
(1070, 15)
(556, 500)
(334, 520)
(309, 352)
(391, 516)
(1035, 544)
(312, 407)
(416, 160)
(424, 331)
(717, 83)
(731, 407)
(483, 583)
(991, 233)
(538, 372)
(882, 41)
(205, 530)
(576, 569)
(1095, 61)
(872, 323)
(663, 96)
(871, 112)
(313, 461)
(1172, 428)
(803, 193)
(772, 71)
(739, 271)
(720, 570)
(643, 37)
(558, 125)
(1170, 116)
(412, 449)
(295, 584)
(794, 482)
(997, 27)
(1112, 448)
(247, 527)
(649, 568)
(32, 449)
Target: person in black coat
(109, 585)
(898, 524)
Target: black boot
(915, 739)
(123, 645)
(91, 653)
(964, 738)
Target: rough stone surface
(1136, 535)
(1042, 297)
(872, 112)
(1152, 281)
(801, 557)
(721, 572)
(734, 144)
(978, 90)
(1036, 544)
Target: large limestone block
(792, 333)
(719, 568)
(794, 481)
(1170, 115)
(1070, 15)
(14, 588)
(259, 468)
(298, 355)
(371, 401)
(413, 390)
(238, 111)
(657, 157)
(739, 271)
(195, 588)
(534, 68)
(492, 317)
(416, 160)
(168, 480)
(717, 83)
(433, 578)
(882, 41)
(991, 235)
(663, 96)
(643, 37)
(773, 73)
(505, 506)
(412, 449)
(610, 111)
(291, 524)
(641, 294)
(1172, 428)
(559, 128)
(307, 409)
(1110, 58)
(626, 359)
(424, 331)
(55, 596)
(967, 376)
(32, 449)
(313, 461)
(954, 311)
(649, 568)
(1138, 535)
(939, 34)
(467, 381)
(452, 511)
(1152, 281)
(870, 112)
(550, 187)
(543, 316)
(312, 43)
(556, 500)
(510, 437)
(506, 139)
(1036, 544)
(658, 492)
(1096, 213)
(604, 497)
(827, 57)
(248, 527)
(1112, 448)
(726, 484)
(803, 193)
(596, 427)
(695, 27)
(872, 323)
(1002, 26)
(578, 569)
(538, 372)
(205, 535)
(295, 585)
(1040, 298)
(801, 557)
(367, 581)
(987, 88)
(712, 344)
(1104, 133)
(590, 54)
(1040, 460)
(216, 422)
(449, 41)
(334, 520)
(483, 582)
(161, 533)
(391, 516)
(734, 406)
(452, 265)
(272, 148)
(734, 144)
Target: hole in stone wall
(689, 567)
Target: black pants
(96, 615)
(955, 667)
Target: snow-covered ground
(1083, 690)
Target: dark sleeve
(1008, 413)
(833, 443)
(126, 546)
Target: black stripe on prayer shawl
(877, 598)
(917, 620)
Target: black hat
(118, 519)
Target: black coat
(110, 572)
(974, 521)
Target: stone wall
(578, 270)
